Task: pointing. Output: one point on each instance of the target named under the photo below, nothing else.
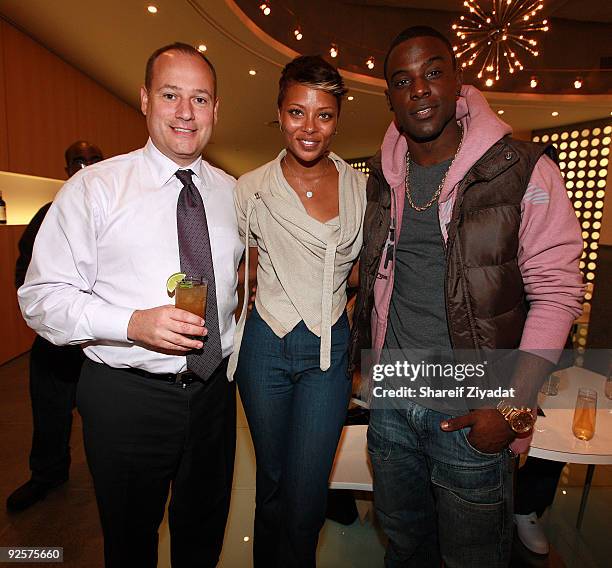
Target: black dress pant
(144, 436)
(54, 374)
(536, 485)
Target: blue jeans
(296, 413)
(437, 497)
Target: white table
(553, 438)
(352, 469)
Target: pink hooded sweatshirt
(549, 235)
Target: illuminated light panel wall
(584, 153)
(360, 164)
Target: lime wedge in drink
(173, 280)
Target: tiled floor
(68, 517)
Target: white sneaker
(531, 534)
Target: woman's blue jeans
(295, 413)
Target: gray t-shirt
(417, 314)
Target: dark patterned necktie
(196, 259)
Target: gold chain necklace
(309, 192)
(435, 196)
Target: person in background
(536, 485)
(158, 412)
(301, 216)
(459, 256)
(54, 372)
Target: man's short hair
(419, 31)
(184, 48)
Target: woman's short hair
(313, 72)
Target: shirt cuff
(110, 323)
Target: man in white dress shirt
(98, 278)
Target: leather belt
(184, 378)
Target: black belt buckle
(184, 378)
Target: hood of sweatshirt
(481, 129)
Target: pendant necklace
(308, 192)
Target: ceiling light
(370, 62)
(297, 32)
(202, 48)
(534, 82)
(333, 50)
(554, 113)
(501, 111)
(246, 539)
(252, 72)
(152, 9)
(489, 82)
(265, 9)
(578, 83)
(351, 97)
(486, 33)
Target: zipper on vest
(391, 244)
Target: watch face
(522, 422)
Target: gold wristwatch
(521, 420)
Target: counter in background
(25, 195)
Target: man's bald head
(81, 154)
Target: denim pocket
(379, 440)
(472, 534)
(464, 435)
(470, 477)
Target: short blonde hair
(313, 72)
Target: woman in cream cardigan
(301, 217)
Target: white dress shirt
(107, 246)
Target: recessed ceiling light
(501, 111)
(252, 72)
(351, 97)
(202, 48)
(554, 113)
(152, 9)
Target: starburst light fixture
(495, 36)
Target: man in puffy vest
(459, 254)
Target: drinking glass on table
(550, 387)
(585, 414)
(608, 385)
(191, 293)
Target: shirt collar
(163, 168)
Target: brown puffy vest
(485, 299)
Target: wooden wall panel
(17, 337)
(50, 104)
(3, 129)
(41, 102)
(132, 129)
(94, 103)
